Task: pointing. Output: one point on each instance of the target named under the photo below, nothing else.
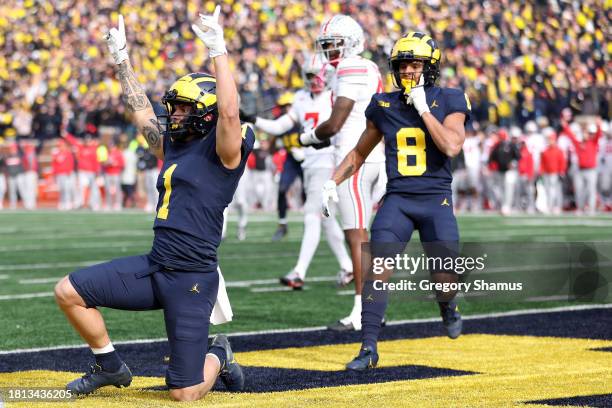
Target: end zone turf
(531, 359)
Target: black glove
(247, 118)
(322, 145)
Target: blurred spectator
(605, 174)
(129, 173)
(587, 152)
(526, 186)
(147, 164)
(506, 155)
(16, 175)
(110, 157)
(261, 174)
(30, 167)
(553, 166)
(62, 163)
(88, 169)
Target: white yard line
(315, 328)
(38, 281)
(4, 277)
(26, 296)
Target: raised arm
(229, 133)
(134, 95)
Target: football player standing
(311, 105)
(354, 82)
(423, 127)
(204, 149)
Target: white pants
(67, 191)
(356, 196)
(263, 188)
(605, 184)
(150, 187)
(31, 190)
(510, 179)
(112, 189)
(239, 202)
(586, 189)
(552, 186)
(313, 183)
(16, 184)
(2, 189)
(526, 193)
(88, 180)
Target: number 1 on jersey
(417, 150)
(163, 210)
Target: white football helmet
(316, 73)
(340, 37)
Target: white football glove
(329, 192)
(298, 154)
(117, 44)
(309, 138)
(212, 34)
(417, 97)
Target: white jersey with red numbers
(309, 110)
(358, 79)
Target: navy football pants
(187, 298)
(292, 169)
(432, 215)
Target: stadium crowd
(536, 73)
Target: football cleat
(280, 233)
(230, 372)
(341, 326)
(367, 358)
(344, 277)
(292, 280)
(97, 378)
(452, 321)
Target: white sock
(357, 305)
(355, 315)
(335, 240)
(106, 349)
(216, 358)
(310, 242)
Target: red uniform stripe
(358, 198)
(347, 71)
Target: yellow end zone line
(316, 328)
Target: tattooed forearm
(348, 171)
(133, 94)
(152, 134)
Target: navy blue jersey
(414, 163)
(194, 189)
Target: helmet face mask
(195, 96)
(316, 74)
(415, 46)
(340, 37)
(331, 48)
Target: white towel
(222, 312)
